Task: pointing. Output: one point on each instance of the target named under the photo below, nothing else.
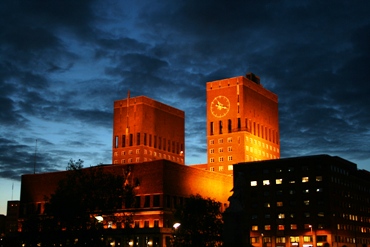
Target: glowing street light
(176, 225)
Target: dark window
(145, 139)
(156, 223)
(211, 128)
(156, 200)
(155, 141)
(131, 139)
(164, 144)
(138, 139)
(229, 126)
(123, 141)
(220, 127)
(137, 202)
(146, 223)
(239, 124)
(159, 142)
(150, 140)
(147, 201)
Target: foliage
(201, 223)
(85, 192)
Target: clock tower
(242, 123)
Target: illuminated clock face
(220, 106)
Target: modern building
(146, 130)
(12, 215)
(160, 186)
(306, 201)
(242, 123)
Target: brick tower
(146, 130)
(242, 122)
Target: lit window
(137, 151)
(212, 169)
(123, 153)
(281, 227)
(130, 160)
(137, 159)
(306, 202)
(212, 160)
(319, 190)
(279, 181)
(307, 239)
(279, 170)
(306, 191)
(267, 227)
(229, 149)
(267, 205)
(123, 161)
(292, 215)
(254, 228)
(304, 179)
(294, 239)
(293, 227)
(115, 154)
(292, 182)
(279, 204)
(220, 150)
(318, 178)
(212, 151)
(220, 168)
(321, 214)
(281, 216)
(280, 239)
(266, 182)
(230, 167)
(253, 183)
(221, 140)
(307, 226)
(229, 139)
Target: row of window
(221, 168)
(148, 140)
(252, 127)
(290, 215)
(292, 239)
(291, 203)
(221, 159)
(282, 227)
(280, 181)
(138, 159)
(253, 142)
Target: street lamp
(176, 225)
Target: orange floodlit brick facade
(146, 130)
(242, 123)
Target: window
(294, 227)
(212, 142)
(291, 169)
(320, 214)
(291, 192)
(307, 226)
(294, 239)
(305, 191)
(220, 168)
(229, 139)
(307, 214)
(131, 140)
(279, 204)
(138, 139)
(281, 216)
(291, 215)
(307, 239)
(281, 227)
(279, 170)
(230, 167)
(156, 200)
(147, 201)
(267, 227)
(319, 190)
(220, 150)
(279, 181)
(137, 151)
(156, 223)
(254, 240)
(116, 142)
(304, 179)
(211, 128)
(212, 169)
(229, 158)
(146, 223)
(292, 182)
(212, 160)
(220, 141)
(229, 149)
(229, 125)
(212, 151)
(306, 202)
(220, 127)
(253, 183)
(266, 182)
(220, 159)
(144, 139)
(318, 178)
(254, 228)
(124, 141)
(266, 239)
(267, 216)
(267, 205)
(254, 216)
(137, 223)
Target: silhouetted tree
(201, 223)
(84, 192)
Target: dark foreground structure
(305, 202)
